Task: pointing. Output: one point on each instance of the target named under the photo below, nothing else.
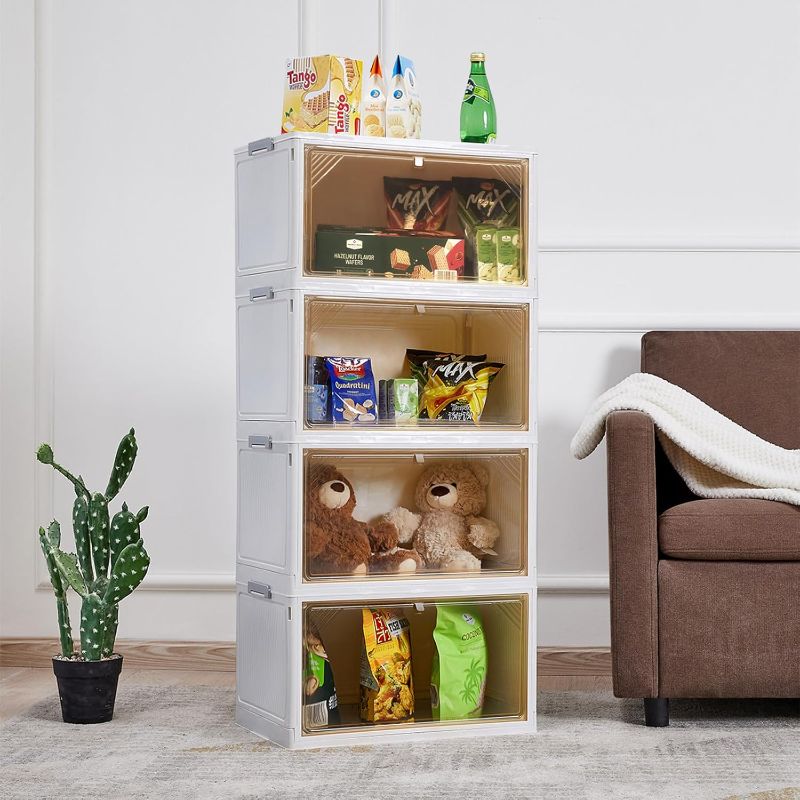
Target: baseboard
(221, 656)
(573, 662)
(216, 656)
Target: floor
(22, 687)
(174, 736)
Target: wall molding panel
(603, 281)
(614, 322)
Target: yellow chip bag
(387, 690)
(455, 390)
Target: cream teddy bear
(448, 533)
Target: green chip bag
(458, 675)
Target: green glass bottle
(478, 117)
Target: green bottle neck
(477, 68)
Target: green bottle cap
(477, 56)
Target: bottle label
(473, 91)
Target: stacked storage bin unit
(288, 308)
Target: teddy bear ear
(481, 473)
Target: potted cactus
(110, 562)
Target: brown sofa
(705, 594)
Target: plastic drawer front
(271, 657)
(285, 194)
(276, 330)
(282, 485)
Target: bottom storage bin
(321, 672)
(414, 663)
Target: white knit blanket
(714, 456)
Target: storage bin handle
(260, 441)
(260, 144)
(261, 589)
(262, 293)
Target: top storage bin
(397, 212)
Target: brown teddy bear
(448, 533)
(337, 544)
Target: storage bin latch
(262, 293)
(262, 589)
(260, 144)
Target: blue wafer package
(353, 396)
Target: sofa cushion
(752, 377)
(731, 530)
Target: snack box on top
(392, 253)
(322, 94)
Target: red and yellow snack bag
(387, 689)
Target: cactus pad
(55, 575)
(94, 613)
(98, 532)
(112, 618)
(54, 533)
(129, 571)
(124, 531)
(80, 530)
(67, 564)
(123, 464)
(45, 454)
(60, 591)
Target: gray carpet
(181, 743)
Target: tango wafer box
(322, 94)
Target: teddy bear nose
(440, 491)
(337, 486)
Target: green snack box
(389, 253)
(486, 253)
(405, 396)
(460, 663)
(509, 248)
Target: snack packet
(403, 399)
(374, 105)
(458, 674)
(417, 360)
(486, 253)
(509, 243)
(320, 704)
(387, 688)
(403, 106)
(322, 94)
(352, 391)
(455, 391)
(484, 201)
(416, 205)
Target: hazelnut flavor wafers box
(322, 94)
(422, 255)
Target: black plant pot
(87, 689)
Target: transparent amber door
(384, 514)
(411, 216)
(488, 386)
(446, 661)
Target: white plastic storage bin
(290, 185)
(271, 630)
(294, 300)
(274, 494)
(277, 329)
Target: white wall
(670, 197)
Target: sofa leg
(656, 712)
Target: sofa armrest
(633, 553)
